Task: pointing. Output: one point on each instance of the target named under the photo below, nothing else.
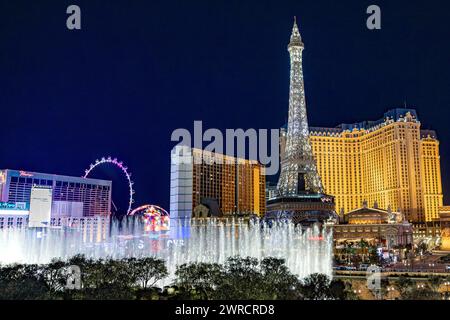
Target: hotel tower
(391, 161)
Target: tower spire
(296, 38)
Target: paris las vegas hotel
(391, 162)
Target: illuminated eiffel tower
(298, 167)
(300, 191)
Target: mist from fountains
(305, 250)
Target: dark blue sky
(139, 69)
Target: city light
(354, 209)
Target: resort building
(391, 161)
(376, 226)
(39, 199)
(222, 184)
(444, 221)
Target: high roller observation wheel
(121, 166)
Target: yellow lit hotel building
(391, 162)
(221, 184)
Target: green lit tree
(316, 287)
(147, 271)
(199, 280)
(22, 282)
(278, 282)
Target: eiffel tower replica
(300, 194)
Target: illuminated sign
(40, 206)
(6, 205)
(13, 206)
(25, 174)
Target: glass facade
(235, 185)
(71, 196)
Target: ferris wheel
(122, 167)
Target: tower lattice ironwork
(298, 166)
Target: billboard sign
(40, 207)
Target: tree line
(137, 278)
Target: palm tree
(404, 285)
(363, 245)
(435, 282)
(350, 252)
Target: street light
(390, 290)
(446, 284)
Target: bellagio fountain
(305, 250)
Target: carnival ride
(154, 217)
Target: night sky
(137, 70)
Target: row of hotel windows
(19, 222)
(346, 229)
(342, 145)
(46, 182)
(10, 222)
